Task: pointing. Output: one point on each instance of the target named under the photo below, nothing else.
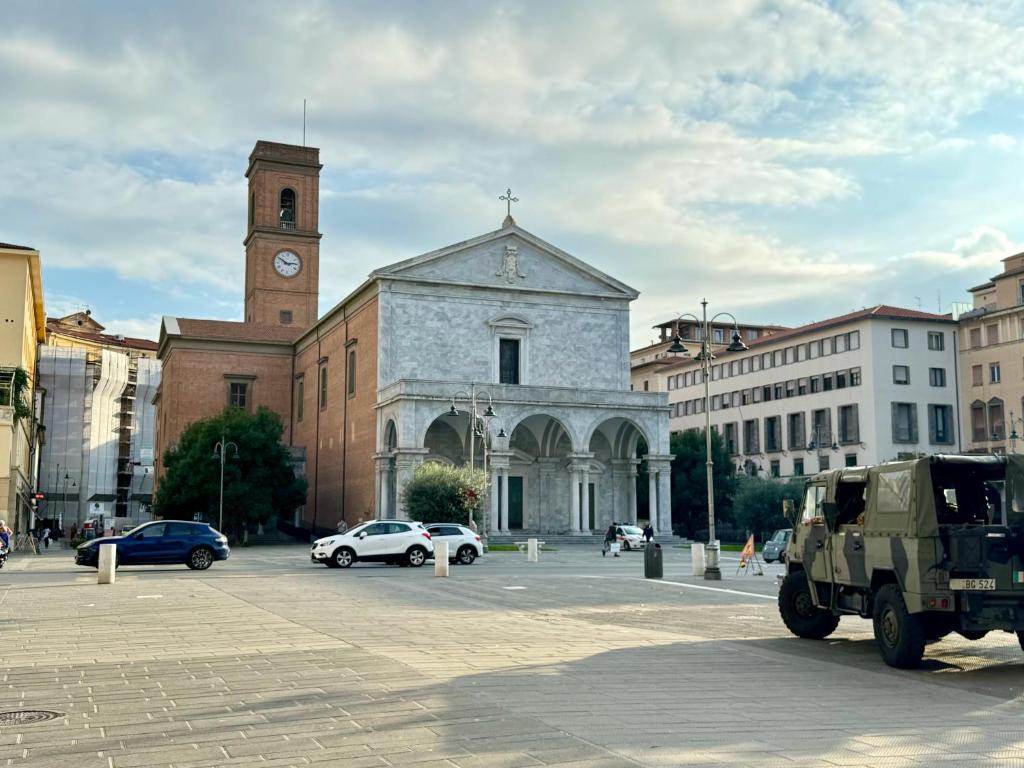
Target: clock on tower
(282, 247)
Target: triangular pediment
(509, 258)
(81, 321)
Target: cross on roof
(507, 197)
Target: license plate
(973, 585)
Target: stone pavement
(267, 660)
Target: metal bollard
(107, 562)
(697, 558)
(440, 558)
(532, 551)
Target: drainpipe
(316, 437)
(344, 420)
(956, 379)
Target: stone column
(494, 501)
(631, 489)
(503, 512)
(546, 495)
(383, 483)
(585, 491)
(406, 461)
(665, 501)
(574, 499)
(652, 498)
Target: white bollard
(107, 561)
(440, 558)
(697, 558)
(532, 551)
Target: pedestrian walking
(648, 534)
(342, 526)
(610, 540)
(45, 536)
(5, 535)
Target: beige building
(991, 351)
(22, 328)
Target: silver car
(775, 547)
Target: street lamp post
(1014, 437)
(220, 452)
(478, 427)
(821, 440)
(712, 572)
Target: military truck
(923, 548)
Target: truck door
(811, 535)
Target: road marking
(711, 589)
(144, 597)
(513, 587)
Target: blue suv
(173, 542)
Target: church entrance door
(515, 502)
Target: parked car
(629, 536)
(166, 542)
(775, 547)
(400, 542)
(463, 545)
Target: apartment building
(97, 406)
(992, 361)
(869, 386)
(648, 363)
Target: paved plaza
(269, 660)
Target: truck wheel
(899, 633)
(799, 614)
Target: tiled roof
(882, 311)
(103, 338)
(13, 247)
(236, 331)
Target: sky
(788, 160)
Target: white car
(382, 541)
(463, 545)
(630, 537)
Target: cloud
(1002, 141)
(982, 248)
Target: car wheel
(416, 556)
(767, 559)
(466, 555)
(343, 557)
(782, 557)
(625, 546)
(899, 633)
(799, 614)
(200, 559)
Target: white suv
(387, 541)
(463, 545)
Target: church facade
(534, 339)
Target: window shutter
(933, 427)
(913, 422)
(895, 423)
(854, 426)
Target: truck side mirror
(787, 509)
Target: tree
(258, 484)
(442, 493)
(689, 481)
(757, 504)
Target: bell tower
(282, 244)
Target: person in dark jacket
(610, 538)
(648, 533)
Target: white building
(862, 388)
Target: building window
(823, 462)
(797, 434)
(285, 316)
(995, 419)
(798, 467)
(993, 373)
(773, 434)
(977, 377)
(821, 422)
(851, 459)
(979, 433)
(814, 350)
(854, 339)
(647, 384)
(238, 394)
(300, 396)
(776, 468)
(751, 437)
(718, 336)
(904, 422)
(508, 362)
(350, 374)
(826, 382)
(287, 213)
(1020, 292)
(937, 377)
(992, 334)
(901, 374)
(975, 338)
(936, 341)
(252, 208)
(940, 424)
(841, 379)
(323, 387)
(731, 444)
(855, 377)
(849, 424)
(900, 338)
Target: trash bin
(653, 567)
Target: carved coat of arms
(510, 264)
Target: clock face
(287, 264)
